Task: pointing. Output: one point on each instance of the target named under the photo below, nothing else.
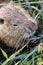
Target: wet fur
(17, 26)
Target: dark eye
(15, 24)
(1, 21)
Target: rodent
(15, 25)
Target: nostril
(1, 21)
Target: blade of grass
(32, 52)
(13, 55)
(4, 53)
(33, 62)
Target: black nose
(1, 21)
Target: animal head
(15, 24)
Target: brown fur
(17, 25)
(4, 1)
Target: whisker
(7, 32)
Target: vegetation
(32, 55)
